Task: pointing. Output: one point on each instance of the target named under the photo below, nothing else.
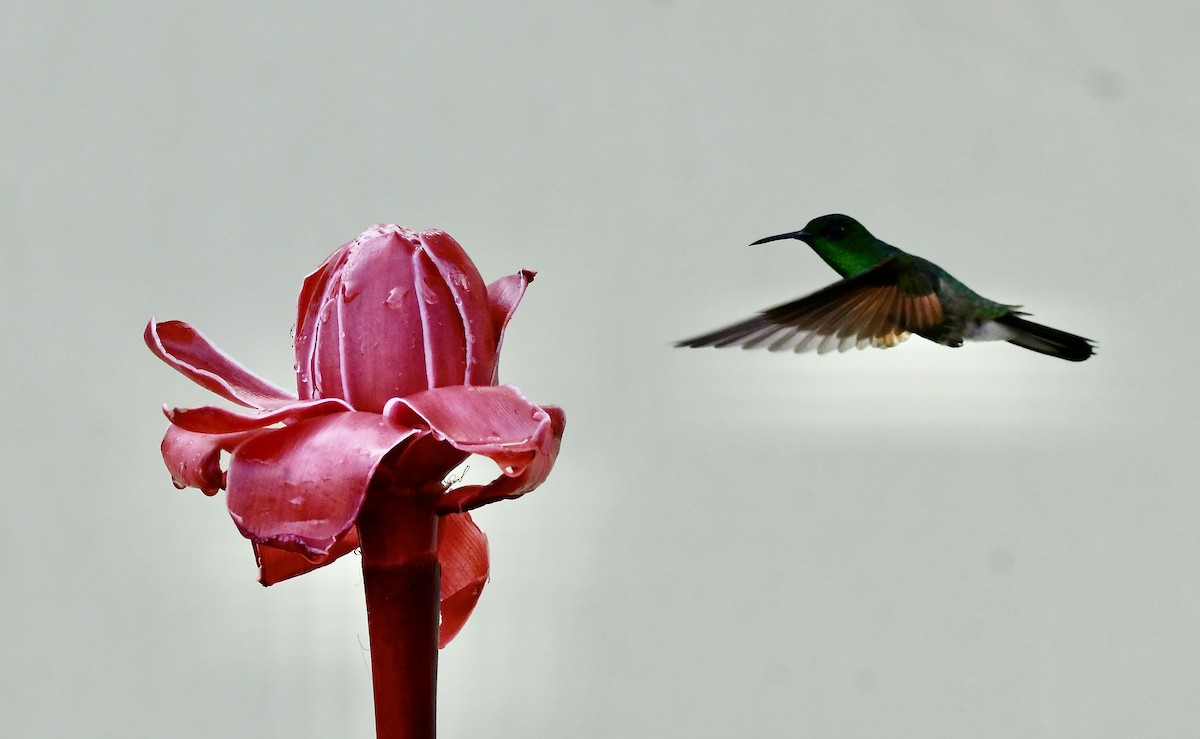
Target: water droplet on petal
(395, 298)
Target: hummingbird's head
(831, 229)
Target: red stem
(397, 529)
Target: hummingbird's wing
(879, 307)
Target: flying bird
(885, 296)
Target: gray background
(911, 543)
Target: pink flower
(397, 343)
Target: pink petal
(213, 420)
(188, 351)
(517, 482)
(504, 295)
(276, 565)
(300, 487)
(496, 421)
(310, 304)
(463, 555)
(444, 266)
(317, 318)
(194, 460)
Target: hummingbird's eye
(837, 231)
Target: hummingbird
(885, 295)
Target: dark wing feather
(875, 308)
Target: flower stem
(397, 528)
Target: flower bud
(392, 313)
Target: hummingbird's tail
(1046, 340)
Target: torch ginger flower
(397, 343)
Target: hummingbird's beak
(801, 235)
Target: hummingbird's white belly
(988, 331)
